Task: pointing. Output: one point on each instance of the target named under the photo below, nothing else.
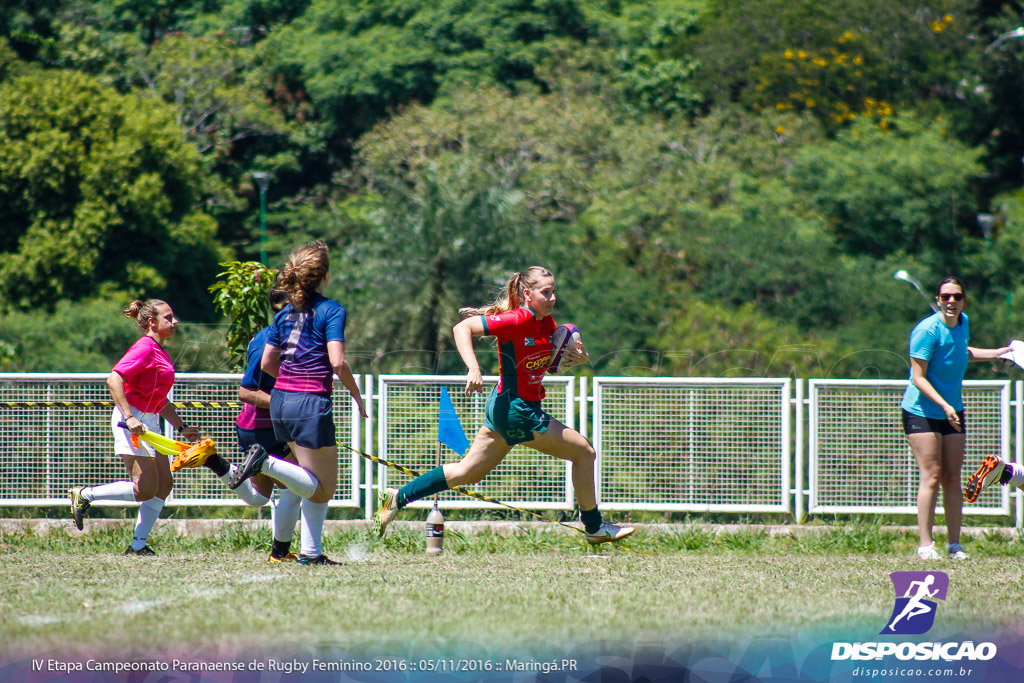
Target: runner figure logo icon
(916, 592)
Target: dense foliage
(721, 187)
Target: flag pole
(437, 462)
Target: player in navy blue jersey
(305, 350)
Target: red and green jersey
(524, 348)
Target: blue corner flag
(449, 429)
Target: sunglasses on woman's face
(955, 296)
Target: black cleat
(144, 551)
(78, 506)
(253, 464)
(319, 559)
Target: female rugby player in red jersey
(521, 320)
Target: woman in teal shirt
(933, 412)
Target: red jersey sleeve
(503, 325)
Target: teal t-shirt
(945, 349)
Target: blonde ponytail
(512, 295)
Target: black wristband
(183, 427)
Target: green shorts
(513, 418)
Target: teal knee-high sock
(422, 486)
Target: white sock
(298, 479)
(1016, 474)
(286, 514)
(149, 512)
(246, 491)
(115, 490)
(313, 516)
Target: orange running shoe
(194, 456)
(987, 473)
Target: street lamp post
(1015, 33)
(906, 277)
(262, 179)
(986, 221)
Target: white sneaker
(928, 552)
(609, 532)
(956, 552)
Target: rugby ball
(561, 339)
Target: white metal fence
(687, 444)
(46, 450)
(693, 444)
(407, 434)
(860, 461)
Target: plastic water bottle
(435, 532)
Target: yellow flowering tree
(837, 61)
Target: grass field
(529, 589)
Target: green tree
(98, 189)
(241, 294)
(711, 340)
(90, 335)
(836, 60)
(211, 83)
(84, 336)
(907, 189)
(996, 122)
(220, 94)
(444, 202)
(445, 217)
(359, 62)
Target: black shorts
(915, 424)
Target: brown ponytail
(303, 272)
(143, 312)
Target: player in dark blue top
(522, 322)
(254, 426)
(305, 348)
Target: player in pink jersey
(139, 384)
(521, 320)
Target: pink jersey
(148, 375)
